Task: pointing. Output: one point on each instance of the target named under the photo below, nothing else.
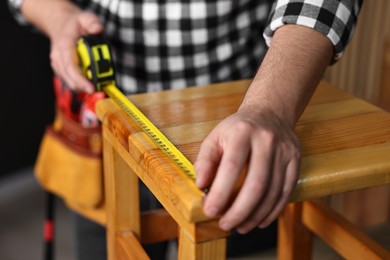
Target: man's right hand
(64, 23)
(63, 54)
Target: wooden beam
(344, 237)
(127, 247)
(294, 239)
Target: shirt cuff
(14, 7)
(336, 19)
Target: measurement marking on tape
(151, 130)
(96, 64)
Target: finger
(292, 173)
(72, 72)
(271, 196)
(253, 189)
(207, 162)
(59, 66)
(228, 173)
(59, 62)
(90, 23)
(55, 61)
(63, 63)
(54, 65)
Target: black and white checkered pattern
(178, 43)
(173, 44)
(334, 18)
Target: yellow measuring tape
(96, 64)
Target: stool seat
(345, 146)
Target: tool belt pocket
(69, 163)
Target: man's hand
(272, 151)
(63, 54)
(64, 23)
(259, 138)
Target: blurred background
(27, 106)
(26, 91)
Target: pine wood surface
(294, 239)
(129, 248)
(359, 72)
(122, 206)
(345, 146)
(345, 140)
(299, 222)
(213, 250)
(181, 203)
(344, 237)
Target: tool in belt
(97, 65)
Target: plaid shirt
(178, 43)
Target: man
(173, 44)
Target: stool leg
(209, 250)
(122, 198)
(294, 239)
(340, 234)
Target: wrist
(271, 107)
(289, 73)
(49, 16)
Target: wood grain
(122, 201)
(345, 146)
(210, 250)
(349, 241)
(157, 226)
(335, 125)
(127, 247)
(294, 239)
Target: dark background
(27, 103)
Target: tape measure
(96, 64)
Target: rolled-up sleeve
(336, 19)
(14, 7)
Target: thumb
(90, 23)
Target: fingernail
(196, 167)
(95, 27)
(263, 225)
(211, 211)
(224, 225)
(88, 90)
(198, 182)
(242, 231)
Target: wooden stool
(299, 221)
(345, 145)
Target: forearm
(48, 15)
(292, 68)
